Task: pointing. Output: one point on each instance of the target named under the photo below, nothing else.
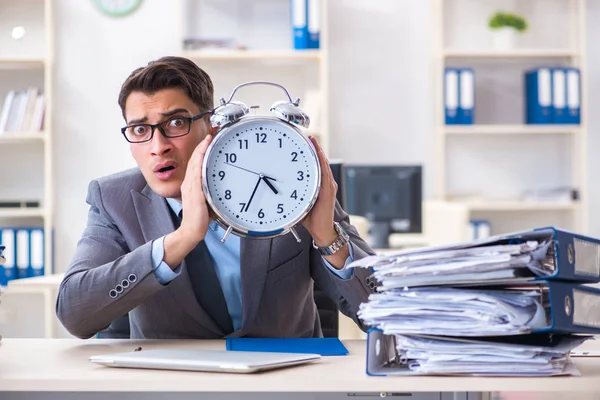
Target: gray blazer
(112, 274)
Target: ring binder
(543, 254)
(548, 355)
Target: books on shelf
(22, 111)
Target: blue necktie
(206, 286)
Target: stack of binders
(306, 24)
(515, 304)
(459, 96)
(553, 96)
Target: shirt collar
(176, 207)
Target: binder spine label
(585, 309)
(587, 258)
(544, 85)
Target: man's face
(162, 160)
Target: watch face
(261, 176)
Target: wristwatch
(337, 244)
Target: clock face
(261, 176)
(117, 8)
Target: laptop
(204, 360)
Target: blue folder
(451, 96)
(538, 96)
(384, 359)
(322, 346)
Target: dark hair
(170, 72)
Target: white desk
(61, 365)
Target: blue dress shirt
(227, 263)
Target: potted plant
(505, 27)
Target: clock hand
(247, 170)
(269, 184)
(254, 191)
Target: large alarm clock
(261, 174)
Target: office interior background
(375, 90)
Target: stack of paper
(461, 265)
(429, 355)
(450, 309)
(454, 312)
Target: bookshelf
(261, 39)
(500, 141)
(26, 61)
(512, 54)
(233, 55)
(517, 129)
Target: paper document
(455, 312)
(461, 264)
(427, 355)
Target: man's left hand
(319, 222)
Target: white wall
(593, 83)
(94, 55)
(381, 91)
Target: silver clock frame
(286, 114)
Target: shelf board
(224, 55)
(516, 205)
(513, 54)
(21, 137)
(22, 62)
(524, 129)
(22, 212)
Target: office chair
(118, 329)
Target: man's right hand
(196, 217)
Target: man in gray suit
(140, 255)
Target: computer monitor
(389, 196)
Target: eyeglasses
(171, 128)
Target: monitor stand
(379, 234)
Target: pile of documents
(506, 305)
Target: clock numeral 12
(261, 138)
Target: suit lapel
(155, 221)
(255, 255)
